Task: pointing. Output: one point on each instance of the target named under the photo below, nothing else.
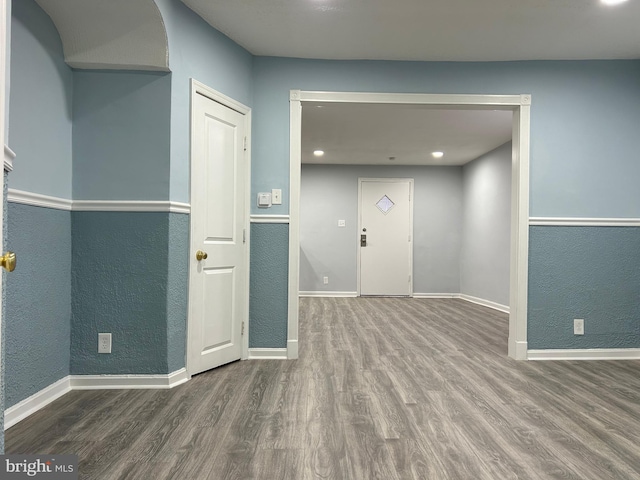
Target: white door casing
(218, 284)
(520, 105)
(385, 219)
(3, 53)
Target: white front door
(218, 262)
(385, 236)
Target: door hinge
(245, 144)
(244, 235)
(409, 238)
(242, 331)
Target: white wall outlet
(325, 280)
(578, 326)
(342, 223)
(276, 196)
(104, 343)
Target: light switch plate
(342, 223)
(276, 196)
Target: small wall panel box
(264, 200)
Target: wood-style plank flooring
(384, 389)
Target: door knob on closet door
(200, 255)
(8, 261)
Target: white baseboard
(292, 349)
(436, 295)
(518, 350)
(467, 298)
(44, 397)
(585, 354)
(107, 382)
(328, 294)
(35, 402)
(485, 303)
(267, 354)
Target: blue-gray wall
(581, 111)
(119, 283)
(38, 300)
(121, 127)
(38, 293)
(5, 188)
(584, 119)
(584, 272)
(40, 117)
(486, 226)
(330, 192)
(269, 285)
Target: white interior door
(218, 262)
(386, 236)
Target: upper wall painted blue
(584, 121)
(121, 144)
(196, 50)
(40, 116)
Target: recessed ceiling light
(613, 2)
(437, 154)
(318, 153)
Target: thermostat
(264, 200)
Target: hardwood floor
(384, 389)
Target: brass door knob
(8, 261)
(200, 255)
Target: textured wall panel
(177, 290)
(5, 188)
(269, 286)
(119, 278)
(38, 303)
(584, 272)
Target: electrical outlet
(578, 326)
(104, 343)
(325, 280)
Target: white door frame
(198, 88)
(386, 180)
(520, 105)
(3, 58)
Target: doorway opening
(519, 105)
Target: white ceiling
(371, 133)
(450, 30)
